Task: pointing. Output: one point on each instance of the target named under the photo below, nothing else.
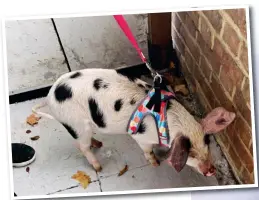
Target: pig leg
(84, 143)
(94, 144)
(149, 154)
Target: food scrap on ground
(82, 178)
(123, 170)
(32, 120)
(28, 131)
(35, 138)
(28, 169)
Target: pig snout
(207, 169)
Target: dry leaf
(35, 138)
(123, 170)
(172, 65)
(28, 169)
(32, 119)
(181, 88)
(82, 178)
(28, 131)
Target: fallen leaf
(28, 169)
(28, 131)
(32, 120)
(172, 65)
(123, 170)
(82, 178)
(35, 138)
(181, 88)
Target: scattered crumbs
(32, 120)
(123, 170)
(35, 138)
(28, 169)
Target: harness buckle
(158, 76)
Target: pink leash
(125, 28)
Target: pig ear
(180, 151)
(217, 120)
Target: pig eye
(206, 139)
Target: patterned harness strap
(160, 117)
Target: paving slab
(98, 42)
(34, 57)
(57, 159)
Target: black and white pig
(101, 101)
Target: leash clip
(154, 73)
(158, 76)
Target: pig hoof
(99, 169)
(155, 163)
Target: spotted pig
(101, 101)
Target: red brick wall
(212, 47)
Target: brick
(246, 91)
(185, 69)
(191, 81)
(231, 38)
(208, 93)
(240, 102)
(176, 22)
(234, 157)
(184, 66)
(239, 18)
(243, 152)
(224, 57)
(224, 139)
(212, 56)
(244, 56)
(251, 149)
(243, 131)
(198, 74)
(178, 53)
(190, 43)
(231, 129)
(215, 19)
(230, 75)
(220, 94)
(217, 103)
(205, 32)
(195, 17)
(202, 99)
(190, 25)
(203, 47)
(182, 15)
(245, 177)
(179, 44)
(218, 48)
(252, 178)
(191, 63)
(205, 67)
